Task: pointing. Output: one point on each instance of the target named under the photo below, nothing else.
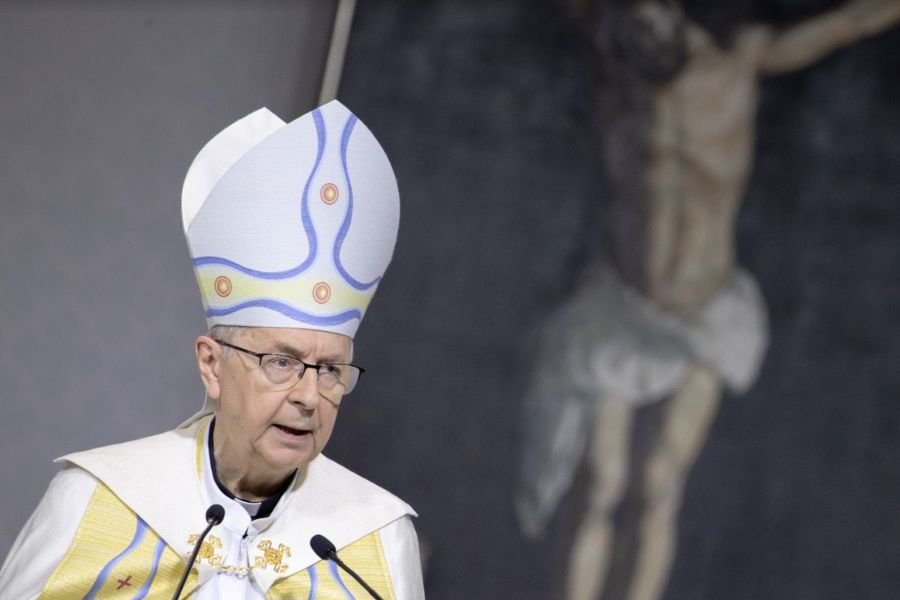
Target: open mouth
(292, 431)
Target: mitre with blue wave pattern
(291, 225)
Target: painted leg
(684, 431)
(609, 463)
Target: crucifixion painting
(668, 320)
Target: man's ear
(209, 356)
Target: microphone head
(215, 514)
(322, 546)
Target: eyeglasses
(283, 372)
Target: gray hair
(224, 333)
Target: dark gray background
(104, 105)
(483, 108)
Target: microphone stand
(323, 547)
(214, 516)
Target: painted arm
(803, 44)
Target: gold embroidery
(106, 529)
(198, 454)
(366, 555)
(232, 569)
(272, 556)
(208, 553)
(208, 549)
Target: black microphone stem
(333, 556)
(214, 516)
(325, 550)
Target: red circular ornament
(222, 286)
(321, 292)
(329, 193)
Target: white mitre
(291, 225)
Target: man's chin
(288, 458)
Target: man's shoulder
(153, 449)
(147, 474)
(143, 472)
(345, 484)
(329, 499)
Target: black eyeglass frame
(260, 355)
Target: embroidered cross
(207, 550)
(123, 582)
(272, 556)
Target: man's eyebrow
(293, 352)
(289, 350)
(333, 359)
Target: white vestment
(142, 501)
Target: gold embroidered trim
(232, 569)
(201, 437)
(272, 556)
(365, 555)
(117, 552)
(208, 549)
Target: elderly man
(290, 227)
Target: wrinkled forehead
(303, 343)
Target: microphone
(325, 550)
(214, 515)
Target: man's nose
(306, 391)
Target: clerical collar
(256, 510)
